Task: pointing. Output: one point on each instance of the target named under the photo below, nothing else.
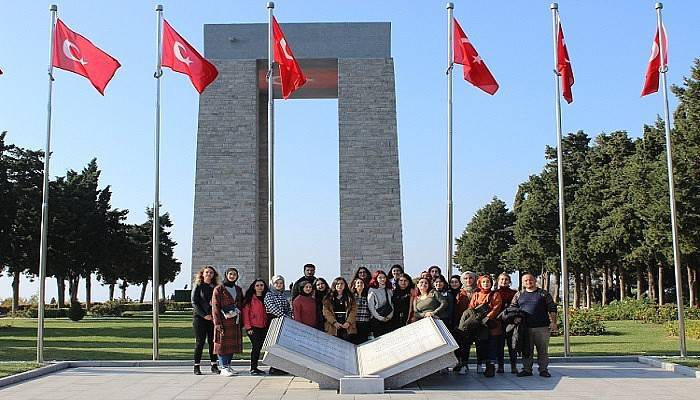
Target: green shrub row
(642, 310)
(582, 322)
(34, 313)
(116, 308)
(692, 329)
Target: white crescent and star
(67, 45)
(285, 49)
(654, 51)
(177, 50)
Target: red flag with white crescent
(73, 52)
(566, 74)
(651, 80)
(180, 56)
(475, 70)
(291, 74)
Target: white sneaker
(227, 372)
(232, 371)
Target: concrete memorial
(398, 358)
(350, 62)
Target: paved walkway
(619, 381)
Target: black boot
(197, 371)
(490, 371)
(513, 368)
(500, 368)
(215, 369)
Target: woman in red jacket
(255, 321)
(487, 347)
(304, 306)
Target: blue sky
(498, 141)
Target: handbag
(385, 309)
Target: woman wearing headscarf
(277, 306)
(464, 296)
(226, 303)
(490, 302)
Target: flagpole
(270, 151)
(450, 39)
(44, 247)
(560, 175)
(156, 199)
(663, 68)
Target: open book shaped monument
(399, 357)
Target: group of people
(475, 310)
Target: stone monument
(348, 61)
(398, 358)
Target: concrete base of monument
(396, 358)
(371, 384)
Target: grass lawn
(130, 339)
(626, 338)
(100, 338)
(7, 369)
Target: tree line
(86, 234)
(617, 214)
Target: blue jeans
(225, 360)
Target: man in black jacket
(540, 313)
(309, 271)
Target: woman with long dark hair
(446, 314)
(321, 291)
(202, 321)
(359, 290)
(394, 273)
(379, 301)
(364, 274)
(402, 298)
(255, 321)
(340, 310)
(427, 303)
(226, 302)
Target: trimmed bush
(582, 322)
(178, 305)
(108, 309)
(642, 310)
(34, 313)
(76, 312)
(692, 329)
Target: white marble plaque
(318, 345)
(396, 347)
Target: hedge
(642, 310)
(582, 322)
(692, 329)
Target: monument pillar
(348, 61)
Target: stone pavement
(601, 380)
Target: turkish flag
(180, 56)
(475, 70)
(564, 67)
(290, 73)
(651, 80)
(73, 52)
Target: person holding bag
(379, 302)
(228, 336)
(490, 303)
(340, 310)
